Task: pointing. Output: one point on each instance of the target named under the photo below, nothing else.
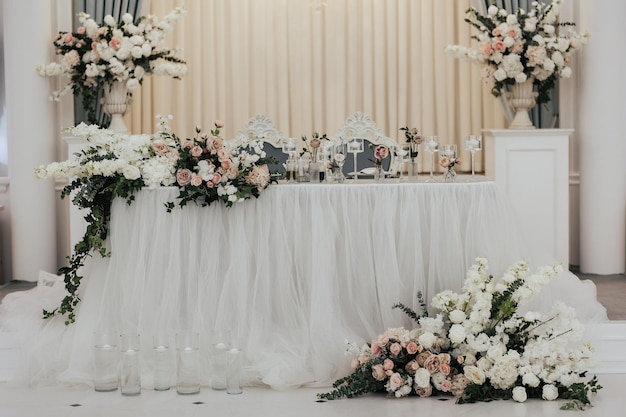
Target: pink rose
(411, 367)
(183, 177)
(432, 364)
(388, 364)
(209, 184)
(444, 368)
(424, 392)
(94, 46)
(395, 349)
(196, 151)
(378, 373)
(215, 144)
(412, 348)
(511, 32)
(187, 144)
(498, 46)
(115, 43)
(81, 30)
(219, 124)
(445, 357)
(216, 178)
(460, 360)
(160, 148)
(68, 38)
(226, 164)
(396, 381)
(446, 385)
(496, 32)
(375, 348)
(222, 154)
(421, 358)
(196, 180)
(487, 50)
(355, 364)
(383, 339)
(444, 161)
(381, 152)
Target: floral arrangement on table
(312, 146)
(413, 138)
(124, 51)
(520, 46)
(205, 169)
(479, 347)
(448, 162)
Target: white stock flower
(109, 20)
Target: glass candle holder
(234, 376)
(105, 360)
(187, 360)
(130, 375)
(161, 358)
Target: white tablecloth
(292, 274)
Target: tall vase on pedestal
(522, 98)
(116, 104)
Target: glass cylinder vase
(187, 361)
(130, 375)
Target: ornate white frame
(259, 127)
(360, 125)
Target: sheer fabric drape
(308, 64)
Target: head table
(292, 275)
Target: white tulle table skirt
(292, 275)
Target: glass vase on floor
(130, 374)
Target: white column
(601, 121)
(31, 131)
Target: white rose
(520, 77)
(508, 41)
(549, 29)
(511, 19)
(531, 380)
(457, 316)
(519, 394)
(109, 21)
(421, 378)
(548, 65)
(474, 374)
(136, 52)
(132, 83)
(550, 392)
(426, 340)
(492, 11)
(456, 334)
(499, 74)
(131, 172)
(566, 72)
(127, 18)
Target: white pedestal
(76, 216)
(532, 167)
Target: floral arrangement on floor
(204, 168)
(124, 51)
(479, 347)
(515, 47)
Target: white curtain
(309, 64)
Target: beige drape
(308, 64)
